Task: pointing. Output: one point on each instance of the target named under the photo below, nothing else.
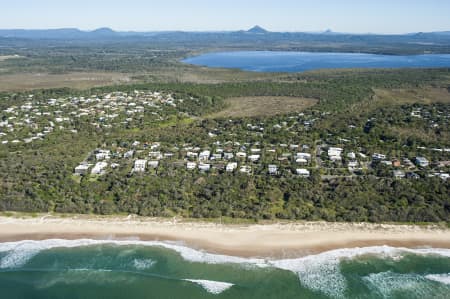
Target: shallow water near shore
(279, 61)
(151, 269)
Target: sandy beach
(284, 239)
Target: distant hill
(63, 33)
(257, 30)
(425, 42)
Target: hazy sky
(378, 16)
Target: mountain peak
(104, 31)
(257, 29)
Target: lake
(271, 61)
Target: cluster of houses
(248, 159)
(435, 117)
(232, 157)
(35, 119)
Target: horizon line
(219, 30)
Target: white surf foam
(213, 287)
(390, 284)
(319, 272)
(143, 264)
(442, 278)
(322, 273)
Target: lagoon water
(137, 269)
(273, 61)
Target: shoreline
(275, 240)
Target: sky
(355, 16)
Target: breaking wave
(213, 287)
(391, 285)
(442, 278)
(320, 272)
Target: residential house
(140, 165)
(334, 153)
(99, 168)
(128, 154)
(241, 155)
(204, 156)
(191, 165)
(302, 172)
(204, 167)
(422, 162)
(228, 156)
(245, 169)
(82, 169)
(273, 169)
(153, 164)
(231, 167)
(254, 158)
(399, 174)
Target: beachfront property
(239, 148)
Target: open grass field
(263, 106)
(426, 95)
(80, 80)
(5, 57)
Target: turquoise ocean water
(137, 269)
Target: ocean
(278, 61)
(150, 269)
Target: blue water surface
(274, 61)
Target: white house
(204, 167)
(153, 164)
(155, 155)
(216, 156)
(228, 156)
(241, 155)
(303, 172)
(140, 165)
(99, 168)
(254, 158)
(191, 165)
(204, 156)
(353, 164)
(273, 170)
(245, 169)
(399, 174)
(82, 169)
(422, 162)
(192, 155)
(378, 157)
(334, 153)
(128, 154)
(305, 156)
(231, 166)
(103, 155)
(351, 155)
